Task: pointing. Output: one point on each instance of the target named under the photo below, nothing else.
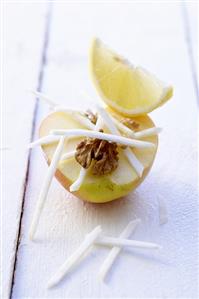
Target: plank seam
(34, 119)
(188, 40)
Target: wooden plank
(151, 35)
(23, 33)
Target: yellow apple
(98, 189)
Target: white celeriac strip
(55, 105)
(108, 262)
(130, 133)
(77, 115)
(148, 132)
(123, 128)
(136, 135)
(110, 241)
(43, 97)
(52, 103)
(103, 136)
(135, 163)
(83, 120)
(46, 185)
(75, 257)
(76, 112)
(68, 155)
(133, 160)
(77, 184)
(163, 214)
(49, 139)
(71, 110)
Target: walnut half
(102, 153)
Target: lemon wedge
(125, 88)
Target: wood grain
(151, 35)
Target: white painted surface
(192, 9)
(23, 33)
(150, 35)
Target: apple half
(98, 189)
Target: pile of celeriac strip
(96, 237)
(61, 136)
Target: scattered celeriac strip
(44, 140)
(123, 128)
(132, 134)
(75, 257)
(44, 98)
(87, 123)
(110, 241)
(77, 115)
(118, 124)
(68, 155)
(163, 214)
(133, 160)
(48, 139)
(77, 184)
(52, 138)
(103, 136)
(107, 264)
(60, 108)
(148, 132)
(135, 163)
(83, 120)
(46, 185)
(52, 103)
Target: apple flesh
(98, 189)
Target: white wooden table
(45, 48)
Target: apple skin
(102, 192)
(102, 189)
